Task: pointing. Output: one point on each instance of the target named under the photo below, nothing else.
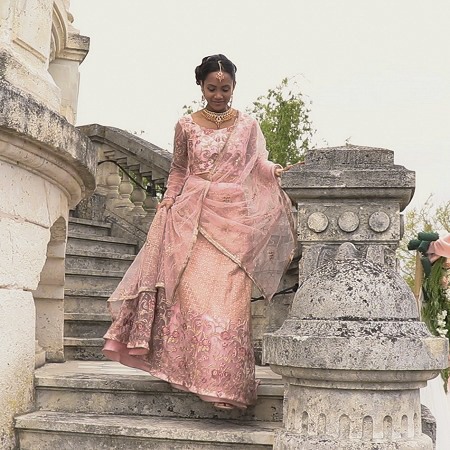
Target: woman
(182, 311)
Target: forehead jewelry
(219, 75)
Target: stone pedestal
(354, 355)
(352, 352)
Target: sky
(377, 73)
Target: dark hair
(211, 64)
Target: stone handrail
(126, 164)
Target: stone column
(46, 167)
(45, 171)
(25, 38)
(353, 353)
(40, 52)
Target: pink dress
(439, 248)
(182, 310)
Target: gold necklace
(218, 118)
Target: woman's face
(218, 91)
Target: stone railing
(130, 173)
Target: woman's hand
(278, 170)
(166, 203)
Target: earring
(203, 102)
(230, 102)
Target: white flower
(447, 294)
(442, 331)
(441, 323)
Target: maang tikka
(219, 75)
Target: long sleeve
(265, 167)
(179, 168)
(441, 247)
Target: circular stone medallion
(379, 221)
(348, 221)
(317, 222)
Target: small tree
(190, 109)
(284, 119)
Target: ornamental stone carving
(379, 221)
(358, 192)
(317, 222)
(353, 354)
(348, 221)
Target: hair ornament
(219, 75)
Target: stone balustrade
(126, 165)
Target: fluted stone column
(353, 353)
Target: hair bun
(210, 64)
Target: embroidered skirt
(201, 342)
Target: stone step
(100, 244)
(83, 349)
(46, 430)
(90, 279)
(86, 301)
(89, 227)
(82, 325)
(107, 387)
(89, 260)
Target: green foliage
(425, 218)
(189, 109)
(436, 304)
(436, 293)
(284, 119)
(435, 300)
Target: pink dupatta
(240, 209)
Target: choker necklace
(218, 118)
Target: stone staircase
(99, 405)
(95, 263)
(88, 403)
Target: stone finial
(351, 193)
(353, 354)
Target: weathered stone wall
(46, 167)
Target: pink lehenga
(182, 311)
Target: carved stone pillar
(124, 203)
(352, 352)
(354, 355)
(40, 52)
(351, 194)
(46, 167)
